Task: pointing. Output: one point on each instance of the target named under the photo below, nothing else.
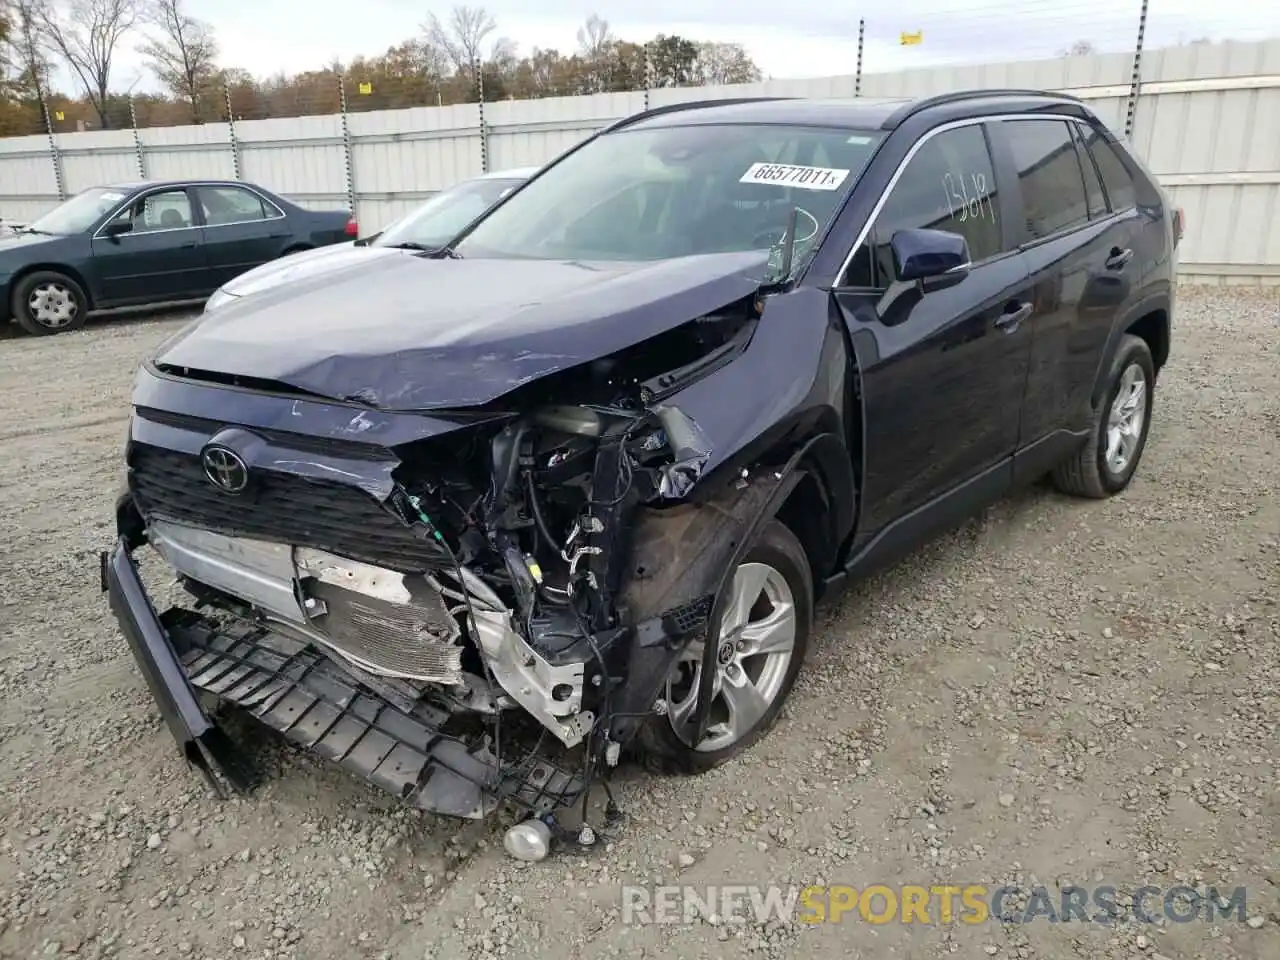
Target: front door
(160, 259)
(242, 230)
(943, 372)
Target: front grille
(279, 507)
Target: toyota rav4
(475, 521)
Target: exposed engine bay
(490, 584)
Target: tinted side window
(949, 184)
(1115, 175)
(1092, 185)
(1049, 174)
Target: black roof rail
(687, 105)
(957, 96)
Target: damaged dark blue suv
(474, 521)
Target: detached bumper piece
(201, 741)
(317, 705)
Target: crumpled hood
(410, 333)
(308, 263)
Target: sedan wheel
(52, 305)
(48, 302)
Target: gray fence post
(477, 73)
(231, 133)
(137, 140)
(54, 153)
(1135, 82)
(857, 77)
(346, 146)
(648, 75)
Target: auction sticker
(788, 175)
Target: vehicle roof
(882, 113)
(133, 185)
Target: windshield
(442, 217)
(660, 193)
(79, 213)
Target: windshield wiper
(411, 245)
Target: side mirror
(116, 228)
(932, 258)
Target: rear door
(1080, 256)
(943, 372)
(162, 256)
(242, 230)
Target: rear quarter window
(1116, 178)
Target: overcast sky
(795, 38)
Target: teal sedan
(143, 244)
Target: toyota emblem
(225, 469)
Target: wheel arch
(68, 271)
(1149, 320)
(820, 507)
(1154, 328)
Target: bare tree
(594, 38)
(724, 63)
(462, 38)
(1081, 48)
(27, 49)
(595, 44)
(6, 31)
(86, 36)
(182, 53)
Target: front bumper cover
(314, 703)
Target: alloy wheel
(1126, 419)
(756, 643)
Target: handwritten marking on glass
(961, 205)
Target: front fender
(682, 558)
(787, 385)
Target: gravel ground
(1060, 692)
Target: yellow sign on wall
(59, 115)
(366, 88)
(912, 39)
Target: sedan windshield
(444, 216)
(79, 213)
(665, 192)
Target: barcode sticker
(789, 175)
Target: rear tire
(1106, 463)
(47, 302)
(774, 614)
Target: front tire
(764, 636)
(47, 302)
(1106, 463)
